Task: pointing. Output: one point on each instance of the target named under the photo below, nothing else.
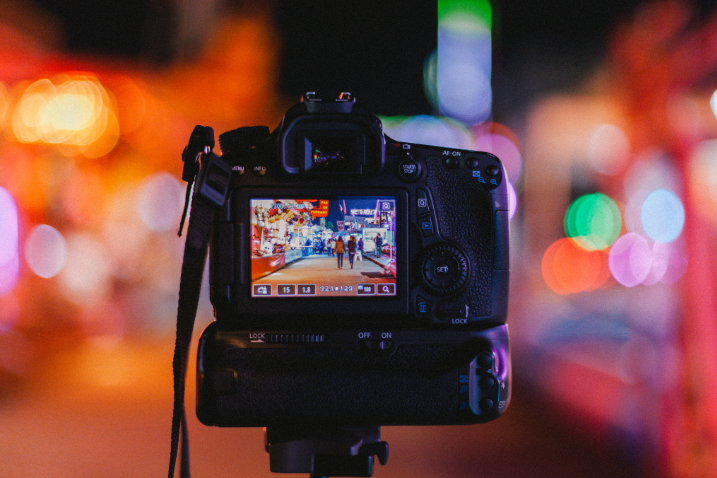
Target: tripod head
(327, 452)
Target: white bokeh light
(45, 251)
(160, 200)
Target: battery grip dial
(444, 269)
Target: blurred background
(602, 112)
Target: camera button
(445, 272)
(259, 170)
(422, 206)
(485, 360)
(442, 269)
(423, 306)
(451, 162)
(386, 289)
(452, 310)
(426, 226)
(487, 382)
(409, 170)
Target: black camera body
(400, 322)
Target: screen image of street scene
(325, 247)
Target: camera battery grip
(352, 378)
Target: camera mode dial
(444, 269)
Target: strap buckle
(201, 166)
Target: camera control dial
(444, 269)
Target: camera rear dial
(444, 269)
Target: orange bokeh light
(74, 112)
(568, 268)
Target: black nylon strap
(195, 255)
(212, 175)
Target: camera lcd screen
(336, 246)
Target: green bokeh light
(593, 221)
(479, 9)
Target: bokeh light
(703, 175)
(428, 130)
(18, 353)
(593, 221)
(713, 103)
(131, 105)
(160, 201)
(652, 170)
(4, 103)
(85, 279)
(512, 201)
(430, 86)
(463, 63)
(568, 268)
(630, 259)
(505, 149)
(659, 261)
(45, 251)
(608, 149)
(662, 216)
(676, 257)
(75, 112)
(9, 312)
(83, 197)
(9, 234)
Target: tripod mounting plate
(325, 452)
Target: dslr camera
(357, 281)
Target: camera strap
(212, 176)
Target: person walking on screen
(379, 243)
(351, 246)
(340, 249)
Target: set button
(445, 269)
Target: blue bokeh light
(662, 216)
